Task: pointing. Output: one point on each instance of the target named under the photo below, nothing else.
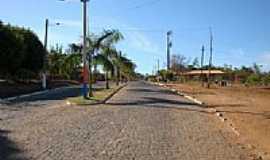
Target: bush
(253, 79)
(166, 75)
(266, 79)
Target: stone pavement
(141, 122)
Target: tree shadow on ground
(8, 149)
(153, 100)
(265, 114)
(158, 91)
(226, 105)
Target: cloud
(140, 41)
(135, 39)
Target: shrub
(253, 79)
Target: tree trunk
(117, 75)
(95, 73)
(107, 80)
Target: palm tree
(106, 40)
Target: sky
(241, 29)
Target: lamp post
(45, 65)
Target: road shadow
(226, 105)
(56, 95)
(265, 114)
(152, 101)
(158, 91)
(8, 149)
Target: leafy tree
(266, 79)
(108, 54)
(64, 65)
(253, 79)
(195, 63)
(20, 51)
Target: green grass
(99, 96)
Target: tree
(108, 55)
(20, 51)
(64, 65)
(179, 63)
(196, 63)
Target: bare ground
(248, 109)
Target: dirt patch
(247, 108)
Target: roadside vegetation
(22, 59)
(245, 75)
(21, 53)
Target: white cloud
(264, 59)
(140, 41)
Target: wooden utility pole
(202, 60)
(210, 58)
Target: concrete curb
(112, 94)
(33, 94)
(102, 101)
(181, 94)
(200, 103)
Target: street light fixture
(44, 76)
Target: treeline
(22, 57)
(106, 63)
(248, 75)
(21, 53)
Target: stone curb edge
(217, 113)
(113, 93)
(104, 100)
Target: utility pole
(202, 60)
(86, 69)
(158, 75)
(158, 64)
(210, 58)
(169, 45)
(45, 63)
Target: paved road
(141, 122)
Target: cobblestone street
(141, 122)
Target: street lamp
(44, 77)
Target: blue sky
(241, 28)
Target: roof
(198, 72)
